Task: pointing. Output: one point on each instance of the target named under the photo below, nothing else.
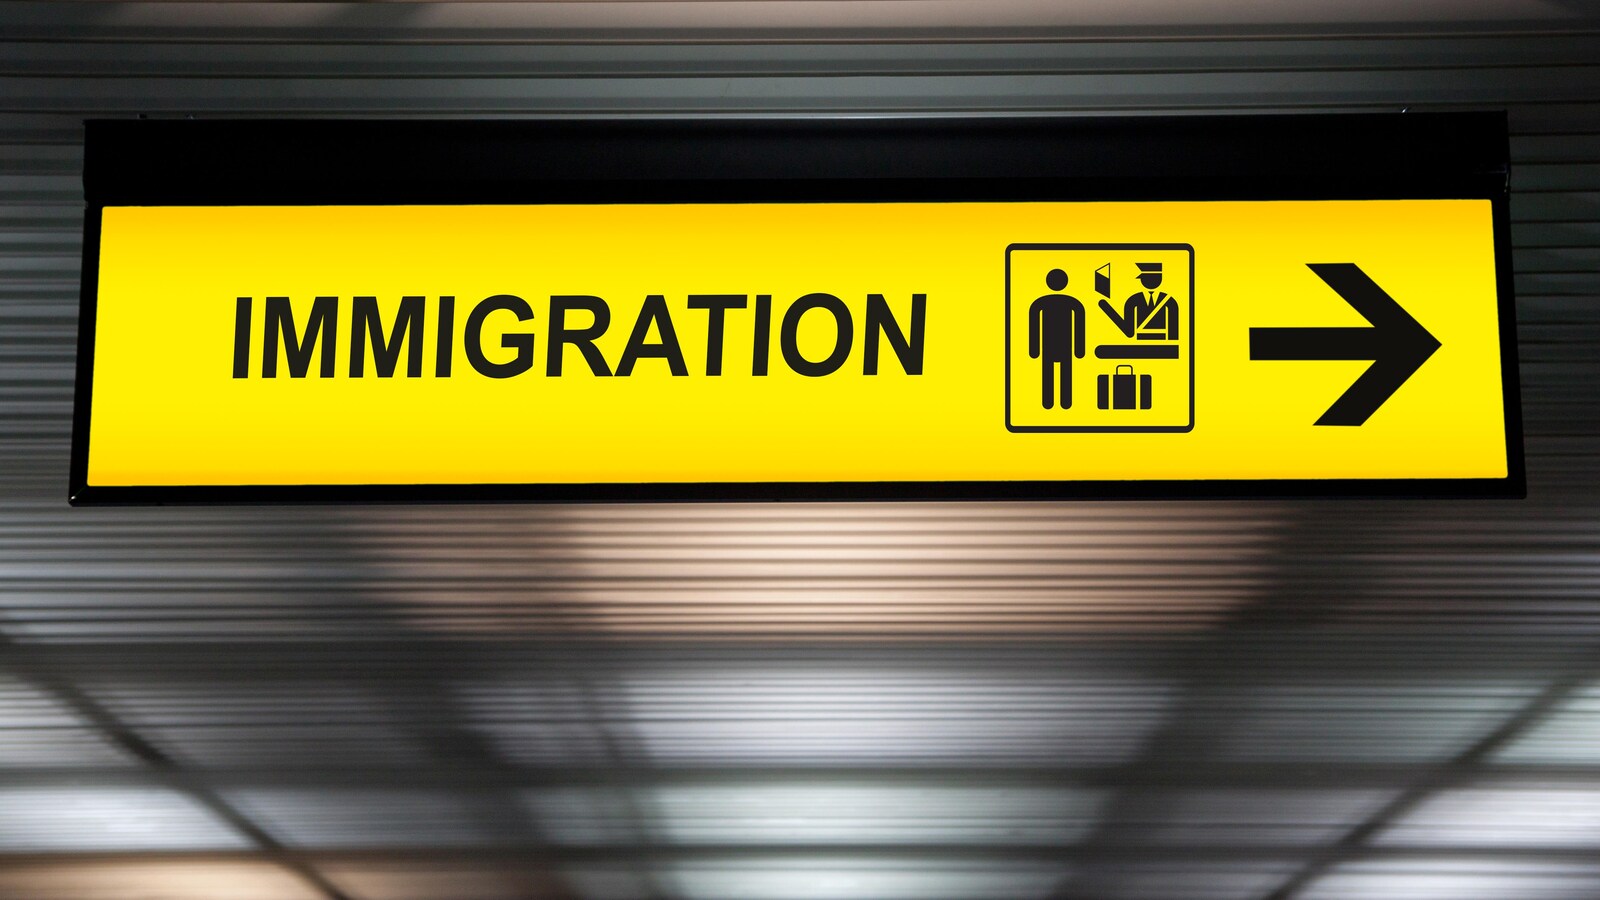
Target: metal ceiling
(1320, 700)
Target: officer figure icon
(1056, 337)
(1149, 315)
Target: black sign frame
(1412, 156)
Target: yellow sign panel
(794, 343)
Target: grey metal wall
(1077, 700)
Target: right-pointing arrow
(1396, 343)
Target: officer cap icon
(1149, 268)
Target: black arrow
(1396, 343)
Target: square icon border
(1035, 429)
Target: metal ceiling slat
(791, 92)
(202, 59)
(686, 20)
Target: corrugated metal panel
(1137, 700)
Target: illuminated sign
(828, 347)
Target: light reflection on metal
(918, 571)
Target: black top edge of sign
(171, 162)
(309, 161)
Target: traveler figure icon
(1055, 337)
(1151, 314)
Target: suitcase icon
(1123, 390)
